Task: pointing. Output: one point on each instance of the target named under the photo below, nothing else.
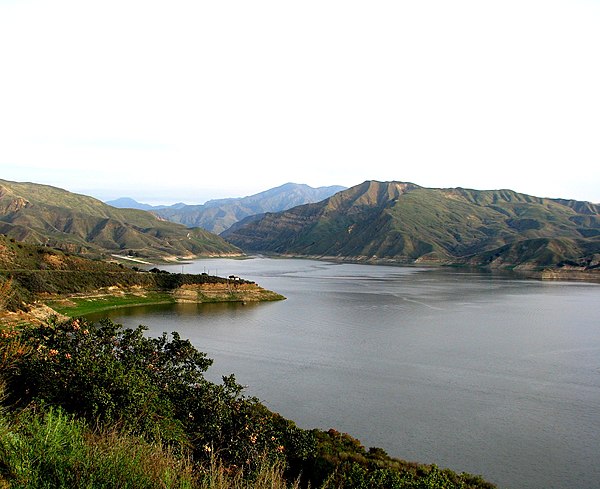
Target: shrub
(151, 408)
(152, 387)
(51, 449)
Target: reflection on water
(476, 371)
(142, 312)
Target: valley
(65, 255)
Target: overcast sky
(191, 100)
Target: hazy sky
(191, 100)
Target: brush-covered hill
(403, 222)
(42, 214)
(218, 215)
(33, 276)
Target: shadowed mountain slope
(218, 215)
(41, 214)
(404, 222)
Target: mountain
(41, 214)
(218, 215)
(129, 203)
(403, 222)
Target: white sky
(191, 100)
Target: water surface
(478, 372)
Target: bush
(152, 411)
(151, 387)
(51, 449)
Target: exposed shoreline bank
(525, 272)
(110, 298)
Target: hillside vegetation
(84, 405)
(38, 274)
(218, 215)
(41, 214)
(405, 223)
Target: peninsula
(37, 282)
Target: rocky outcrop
(230, 292)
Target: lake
(479, 372)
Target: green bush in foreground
(52, 450)
(49, 450)
(99, 399)
(151, 387)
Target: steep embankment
(41, 214)
(402, 222)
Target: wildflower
(207, 449)
(52, 352)
(253, 438)
(280, 448)
(68, 356)
(85, 331)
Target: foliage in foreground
(51, 450)
(94, 389)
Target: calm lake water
(478, 372)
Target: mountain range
(405, 223)
(394, 222)
(218, 215)
(41, 214)
(129, 203)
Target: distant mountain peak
(128, 203)
(219, 214)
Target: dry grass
(269, 476)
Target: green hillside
(402, 222)
(42, 214)
(33, 276)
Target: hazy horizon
(222, 194)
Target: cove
(481, 372)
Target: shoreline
(82, 304)
(526, 272)
(191, 293)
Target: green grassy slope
(32, 274)
(42, 214)
(404, 222)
